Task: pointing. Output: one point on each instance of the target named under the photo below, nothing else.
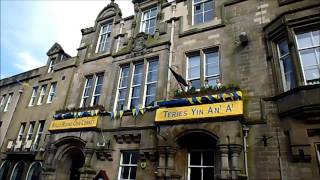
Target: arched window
(4, 169)
(18, 171)
(200, 162)
(34, 171)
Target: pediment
(56, 48)
(110, 10)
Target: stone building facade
(251, 109)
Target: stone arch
(5, 169)
(34, 171)
(69, 157)
(112, 9)
(18, 170)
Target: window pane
(153, 12)
(136, 92)
(195, 173)
(133, 172)
(208, 6)
(125, 158)
(198, 8)
(149, 100)
(194, 61)
(304, 40)
(194, 72)
(283, 47)
(288, 71)
(137, 79)
(122, 93)
(316, 38)
(208, 158)
(195, 158)
(312, 74)
(198, 18)
(212, 81)
(208, 16)
(208, 173)
(308, 57)
(125, 172)
(196, 83)
(152, 76)
(96, 100)
(134, 158)
(151, 89)
(134, 103)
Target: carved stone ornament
(139, 43)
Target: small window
(193, 70)
(92, 90)
(33, 96)
(30, 131)
(128, 166)
(34, 171)
(104, 38)
(21, 131)
(136, 85)
(148, 21)
(205, 65)
(51, 65)
(123, 87)
(6, 107)
(42, 94)
(200, 165)
(38, 135)
(3, 98)
(52, 92)
(151, 82)
(309, 51)
(286, 66)
(202, 11)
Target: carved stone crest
(139, 43)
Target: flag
(121, 114)
(178, 77)
(21, 83)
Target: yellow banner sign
(77, 123)
(200, 111)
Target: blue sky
(30, 27)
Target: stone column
(48, 167)
(87, 172)
(223, 149)
(235, 151)
(162, 163)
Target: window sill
(195, 29)
(98, 56)
(301, 101)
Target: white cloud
(27, 62)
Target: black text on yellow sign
(200, 111)
(84, 122)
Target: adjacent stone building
(249, 109)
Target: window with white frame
(309, 52)
(128, 166)
(3, 98)
(51, 65)
(286, 65)
(52, 92)
(151, 82)
(122, 87)
(104, 38)
(141, 81)
(134, 100)
(203, 11)
(30, 131)
(21, 131)
(33, 96)
(212, 67)
(38, 134)
(6, 107)
(200, 165)
(201, 66)
(193, 70)
(92, 90)
(148, 21)
(42, 94)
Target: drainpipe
(118, 41)
(173, 8)
(245, 130)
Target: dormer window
(51, 64)
(148, 21)
(104, 38)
